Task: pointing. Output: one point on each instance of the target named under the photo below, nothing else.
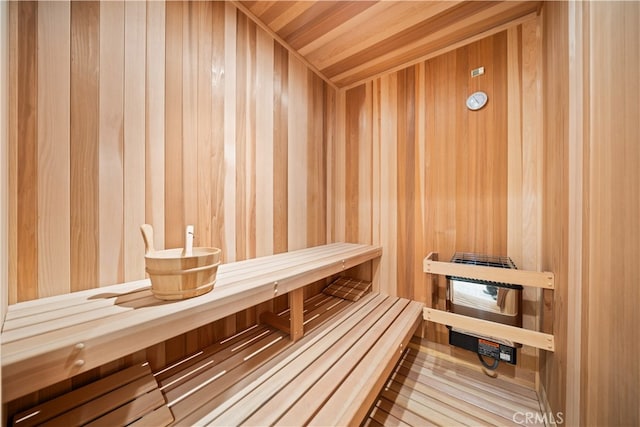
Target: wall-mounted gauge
(477, 100)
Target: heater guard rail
(544, 280)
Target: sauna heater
(496, 302)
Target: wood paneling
(54, 71)
(27, 152)
(83, 150)
(349, 42)
(172, 113)
(422, 173)
(111, 143)
(591, 201)
(613, 203)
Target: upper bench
(50, 339)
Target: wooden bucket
(176, 276)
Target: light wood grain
(134, 137)
(612, 207)
(265, 214)
(111, 139)
(388, 176)
(230, 42)
(297, 170)
(154, 120)
(54, 94)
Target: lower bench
(258, 377)
(330, 377)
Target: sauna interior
(315, 141)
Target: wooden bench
(330, 376)
(51, 339)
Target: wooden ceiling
(350, 41)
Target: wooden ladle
(147, 236)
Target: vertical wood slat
(532, 173)
(190, 40)
(264, 151)
(111, 143)
(388, 176)
(13, 46)
(316, 161)
(27, 154)
(355, 101)
(203, 22)
(85, 39)
(195, 115)
(134, 137)
(612, 203)
(245, 137)
(5, 141)
(53, 148)
(280, 148)
(230, 41)
(297, 173)
(154, 120)
(218, 124)
(174, 218)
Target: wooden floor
(429, 388)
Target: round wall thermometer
(477, 100)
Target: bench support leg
(296, 306)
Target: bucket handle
(147, 236)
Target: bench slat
(158, 418)
(103, 404)
(132, 411)
(59, 405)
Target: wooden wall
(592, 202)
(132, 112)
(416, 171)
(167, 113)
(613, 212)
